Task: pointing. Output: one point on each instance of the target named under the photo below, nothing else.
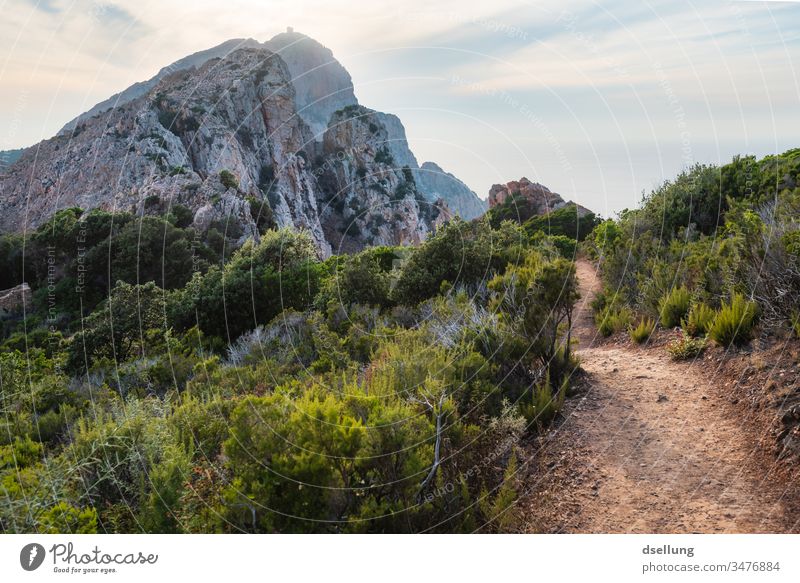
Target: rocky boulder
(540, 198)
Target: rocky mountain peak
(536, 197)
(243, 122)
(541, 198)
(322, 85)
(138, 89)
(460, 199)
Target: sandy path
(648, 446)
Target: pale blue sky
(597, 100)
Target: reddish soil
(650, 445)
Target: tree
(116, 329)
(360, 280)
(147, 249)
(261, 280)
(458, 253)
(538, 298)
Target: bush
(642, 332)
(541, 295)
(384, 156)
(735, 322)
(459, 252)
(64, 518)
(611, 320)
(685, 346)
(183, 216)
(116, 329)
(675, 306)
(794, 322)
(699, 320)
(544, 405)
(360, 279)
(261, 213)
(228, 179)
(566, 221)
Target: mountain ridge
(321, 88)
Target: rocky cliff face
(462, 201)
(234, 123)
(322, 85)
(432, 182)
(234, 115)
(372, 198)
(138, 89)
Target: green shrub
(794, 322)
(458, 252)
(566, 221)
(685, 346)
(63, 518)
(183, 216)
(735, 322)
(228, 179)
(612, 320)
(384, 156)
(642, 332)
(699, 320)
(151, 201)
(675, 306)
(544, 404)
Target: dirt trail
(649, 446)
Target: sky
(599, 101)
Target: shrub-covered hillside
(715, 251)
(166, 380)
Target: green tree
(458, 253)
(117, 329)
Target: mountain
(8, 157)
(141, 88)
(459, 198)
(214, 138)
(265, 115)
(322, 85)
(537, 198)
(372, 197)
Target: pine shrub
(544, 404)
(610, 321)
(674, 306)
(642, 332)
(735, 322)
(699, 320)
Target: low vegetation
(685, 347)
(735, 322)
(642, 332)
(699, 320)
(207, 388)
(714, 251)
(675, 306)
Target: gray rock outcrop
(277, 121)
(462, 201)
